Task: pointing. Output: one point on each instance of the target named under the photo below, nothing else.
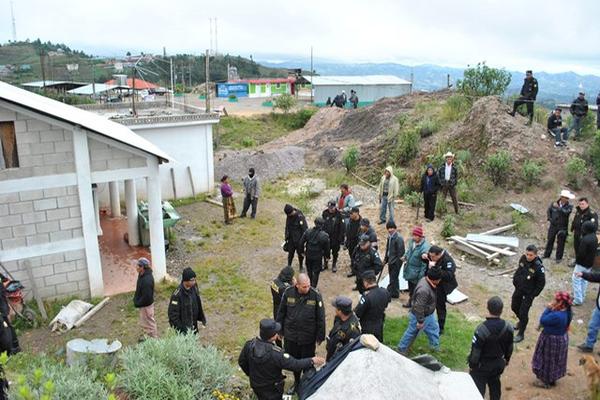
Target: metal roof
(75, 116)
(359, 80)
(48, 83)
(100, 87)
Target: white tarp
(69, 314)
(494, 240)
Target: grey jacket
(423, 301)
(251, 186)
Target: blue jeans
(560, 134)
(385, 206)
(579, 284)
(430, 328)
(593, 327)
(576, 125)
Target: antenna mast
(14, 22)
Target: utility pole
(448, 81)
(207, 83)
(311, 75)
(211, 34)
(172, 86)
(133, 94)
(14, 22)
(216, 39)
(94, 79)
(43, 66)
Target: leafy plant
(441, 207)
(455, 108)
(448, 226)
(408, 145)
(284, 102)
(428, 127)
(497, 166)
(576, 171)
(482, 80)
(414, 199)
(532, 172)
(588, 125)
(248, 142)
(350, 158)
(594, 156)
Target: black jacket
(554, 121)
(302, 317)
(352, 233)
(185, 309)
(435, 184)
(447, 268)
(341, 334)
(581, 217)
(314, 244)
(442, 176)
(370, 310)
(365, 260)
(295, 226)
(372, 237)
(394, 251)
(586, 252)
(579, 107)
(334, 226)
(492, 346)
(530, 277)
(263, 362)
(529, 90)
(559, 216)
(144, 290)
(278, 288)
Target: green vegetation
(407, 146)
(497, 166)
(414, 199)
(594, 156)
(284, 102)
(350, 158)
(455, 108)
(188, 200)
(588, 125)
(522, 222)
(482, 80)
(448, 228)
(576, 171)
(455, 343)
(532, 172)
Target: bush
(588, 125)
(284, 102)
(532, 172)
(575, 170)
(414, 199)
(408, 145)
(441, 207)
(448, 227)
(482, 81)
(456, 108)
(248, 142)
(428, 127)
(497, 166)
(594, 156)
(350, 158)
(173, 367)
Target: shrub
(575, 170)
(448, 226)
(350, 158)
(482, 81)
(408, 145)
(295, 120)
(248, 142)
(588, 125)
(455, 108)
(428, 127)
(532, 172)
(173, 367)
(594, 156)
(414, 199)
(284, 102)
(441, 207)
(497, 166)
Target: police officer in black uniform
(295, 225)
(302, 317)
(279, 285)
(558, 217)
(185, 306)
(365, 258)
(370, 309)
(583, 213)
(334, 226)
(491, 349)
(529, 92)
(314, 245)
(367, 229)
(346, 326)
(353, 234)
(529, 281)
(263, 362)
(441, 260)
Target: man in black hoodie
(558, 216)
(529, 92)
(263, 362)
(583, 213)
(279, 285)
(185, 306)
(440, 260)
(584, 261)
(561, 134)
(295, 226)
(334, 226)
(529, 281)
(143, 299)
(314, 244)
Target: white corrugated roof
(76, 116)
(89, 89)
(41, 84)
(356, 80)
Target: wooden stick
(497, 254)
(499, 230)
(34, 289)
(473, 253)
(173, 183)
(506, 271)
(497, 250)
(464, 242)
(189, 170)
(362, 180)
(214, 202)
(462, 203)
(91, 313)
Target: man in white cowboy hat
(448, 177)
(558, 217)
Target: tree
(483, 81)
(285, 102)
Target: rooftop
(356, 80)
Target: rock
(310, 186)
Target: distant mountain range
(554, 88)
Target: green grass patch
(455, 343)
(188, 200)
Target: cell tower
(14, 22)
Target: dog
(592, 372)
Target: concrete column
(132, 212)
(115, 201)
(157, 236)
(97, 210)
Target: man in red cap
(415, 266)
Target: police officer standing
(345, 326)
(334, 226)
(302, 317)
(185, 306)
(529, 92)
(367, 229)
(558, 216)
(263, 362)
(491, 349)
(279, 285)
(295, 225)
(442, 261)
(365, 258)
(529, 281)
(353, 234)
(314, 244)
(583, 213)
(371, 306)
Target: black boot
(334, 266)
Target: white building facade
(369, 88)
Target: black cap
(288, 209)
(364, 239)
(354, 210)
(319, 221)
(286, 274)
(342, 303)
(365, 222)
(368, 274)
(529, 71)
(268, 328)
(434, 274)
(331, 203)
(188, 274)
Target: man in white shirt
(448, 177)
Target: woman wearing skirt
(228, 204)
(549, 362)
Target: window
(9, 158)
(278, 86)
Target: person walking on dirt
(228, 203)
(143, 299)
(555, 127)
(529, 92)
(389, 188)
(185, 306)
(314, 245)
(295, 226)
(583, 213)
(353, 99)
(252, 191)
(394, 253)
(491, 349)
(579, 109)
(346, 326)
(370, 309)
(558, 216)
(441, 260)
(353, 234)
(529, 281)
(365, 258)
(584, 261)
(415, 266)
(335, 228)
(430, 184)
(448, 178)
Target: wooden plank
(494, 240)
(497, 254)
(189, 170)
(91, 313)
(464, 242)
(499, 229)
(467, 250)
(173, 183)
(462, 203)
(497, 250)
(214, 202)
(503, 272)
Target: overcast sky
(547, 35)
